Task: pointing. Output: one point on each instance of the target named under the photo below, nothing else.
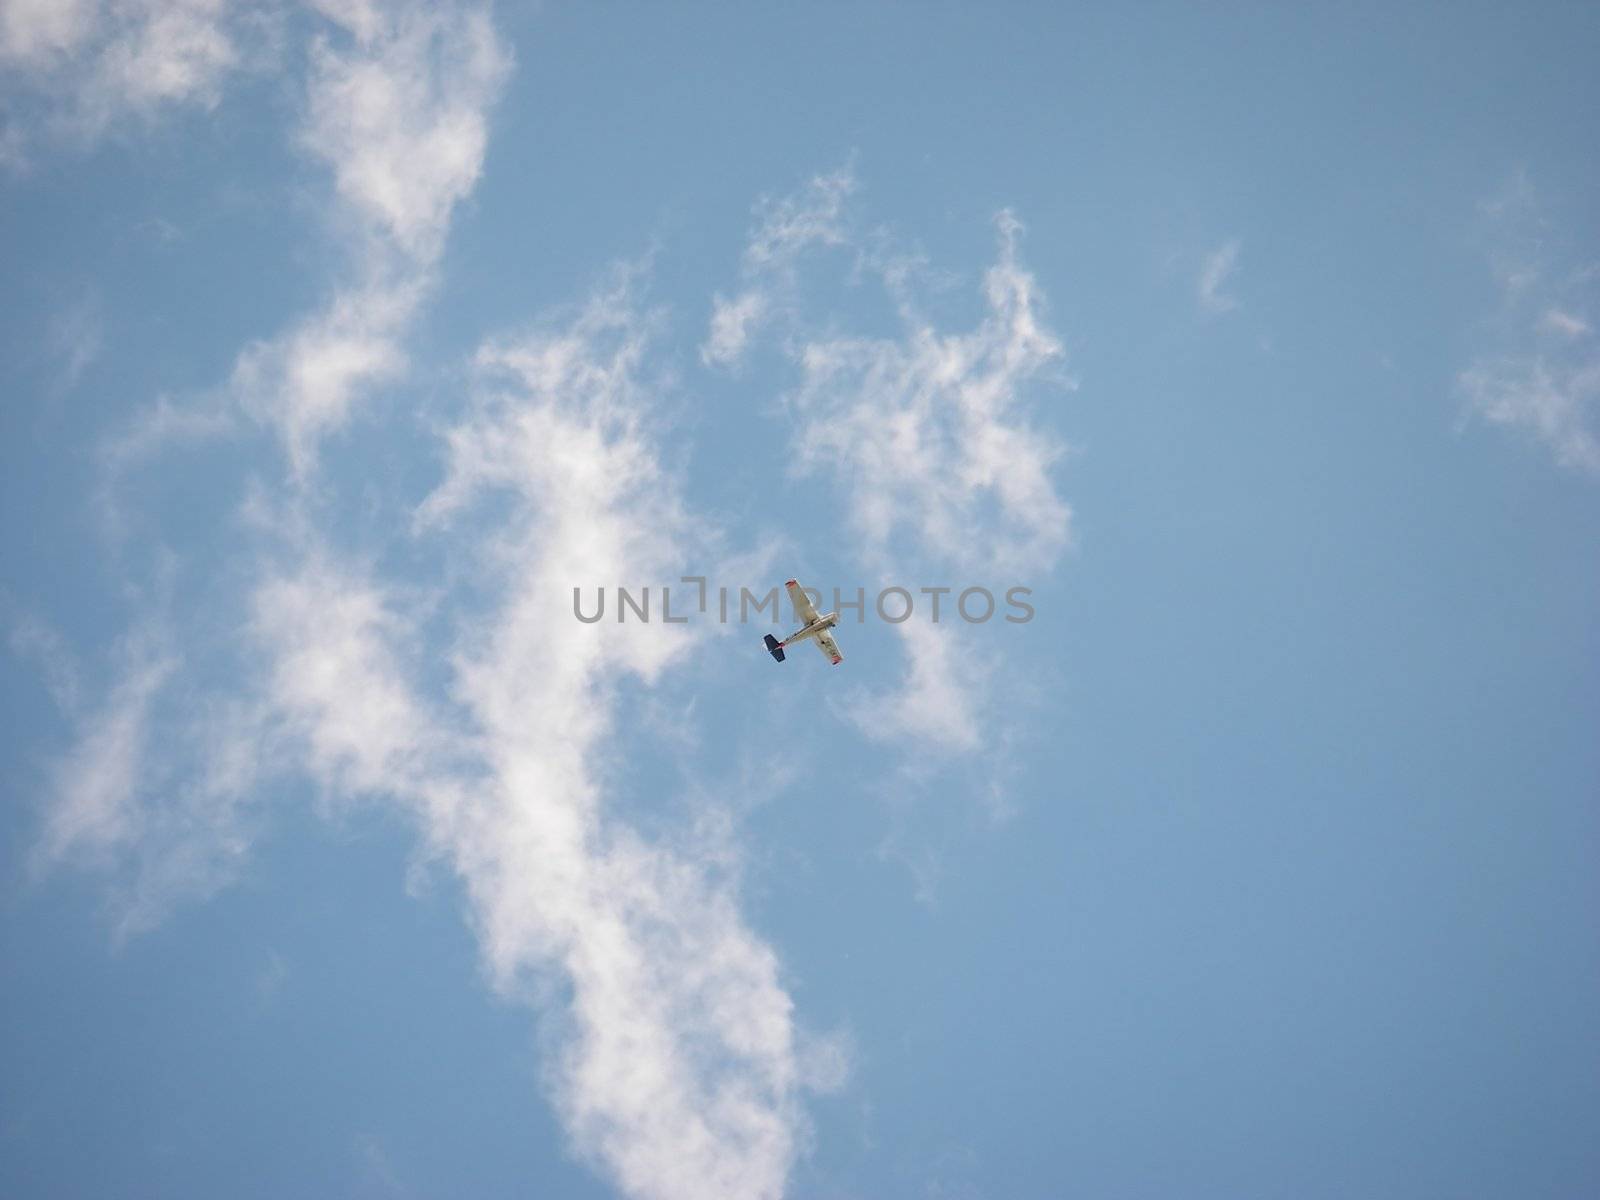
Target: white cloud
(159, 426)
(940, 700)
(376, 1167)
(271, 977)
(943, 472)
(89, 64)
(675, 1060)
(305, 382)
(732, 323)
(791, 224)
(678, 1066)
(1563, 323)
(94, 807)
(32, 32)
(332, 677)
(927, 435)
(1219, 267)
(77, 336)
(397, 104)
(1556, 403)
(401, 116)
(365, 20)
(1541, 371)
(929, 431)
(166, 52)
(32, 638)
(786, 227)
(153, 790)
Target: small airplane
(815, 627)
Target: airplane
(815, 627)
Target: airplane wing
(828, 646)
(804, 610)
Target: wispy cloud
(674, 1057)
(1541, 372)
(732, 324)
(1554, 402)
(93, 811)
(376, 1168)
(1220, 266)
(400, 114)
(77, 337)
(786, 227)
(940, 701)
(270, 978)
(31, 638)
(151, 793)
(677, 1067)
(1564, 323)
(929, 431)
(941, 470)
(930, 439)
(80, 67)
(34, 31)
(675, 1060)
(303, 383)
(397, 103)
(398, 110)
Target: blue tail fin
(773, 648)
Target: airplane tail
(774, 648)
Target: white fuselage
(824, 622)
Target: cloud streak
(673, 1055)
(786, 228)
(94, 812)
(78, 68)
(154, 792)
(678, 1067)
(1554, 401)
(1542, 379)
(1220, 266)
(397, 107)
(928, 437)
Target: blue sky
(345, 339)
